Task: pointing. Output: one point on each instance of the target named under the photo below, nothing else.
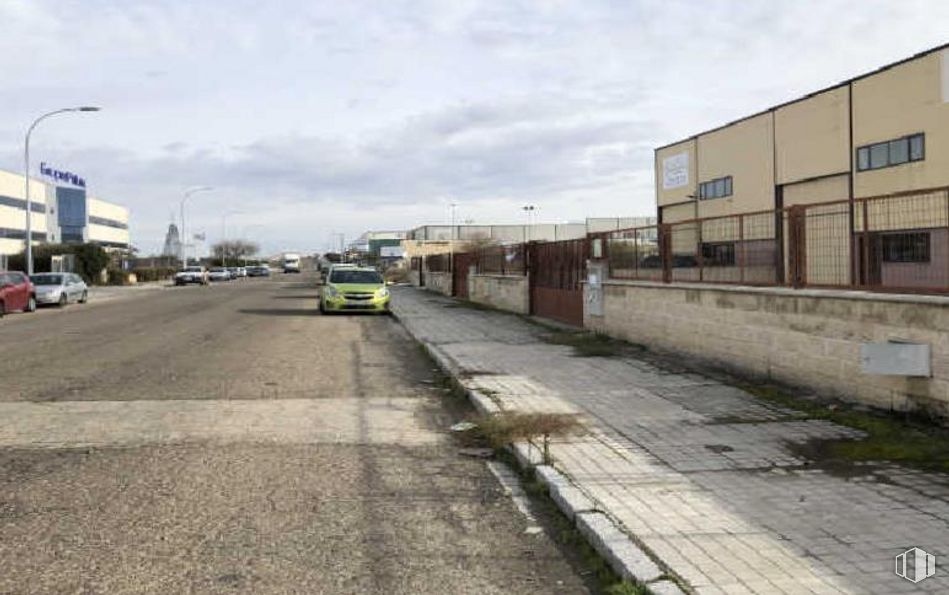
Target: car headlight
(331, 291)
(384, 292)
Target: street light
(451, 238)
(26, 171)
(184, 237)
(529, 210)
(224, 235)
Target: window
(906, 247)
(722, 255)
(717, 188)
(891, 152)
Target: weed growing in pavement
(586, 344)
(910, 440)
(508, 427)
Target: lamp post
(245, 236)
(184, 237)
(529, 210)
(451, 238)
(26, 175)
(224, 235)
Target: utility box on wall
(896, 359)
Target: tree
(91, 259)
(234, 250)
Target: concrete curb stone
(622, 554)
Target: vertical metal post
(741, 248)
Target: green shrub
(146, 274)
(90, 259)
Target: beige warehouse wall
(678, 193)
(745, 151)
(104, 233)
(676, 213)
(813, 136)
(815, 191)
(899, 101)
(108, 210)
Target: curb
(623, 555)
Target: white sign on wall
(675, 171)
(391, 252)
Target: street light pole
(224, 235)
(529, 210)
(184, 237)
(26, 175)
(451, 238)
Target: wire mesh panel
(437, 263)
(903, 241)
(684, 251)
(888, 243)
(826, 245)
(634, 254)
(502, 259)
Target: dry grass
(508, 427)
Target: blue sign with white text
(62, 176)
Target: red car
(16, 292)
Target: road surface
(231, 439)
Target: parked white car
(59, 288)
(193, 274)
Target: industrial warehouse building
(844, 187)
(61, 214)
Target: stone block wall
(809, 338)
(505, 292)
(438, 282)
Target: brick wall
(809, 338)
(506, 292)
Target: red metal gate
(556, 272)
(459, 275)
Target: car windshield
(355, 276)
(47, 279)
(217, 270)
(192, 269)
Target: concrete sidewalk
(699, 473)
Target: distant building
(172, 242)
(60, 214)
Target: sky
(311, 118)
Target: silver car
(59, 288)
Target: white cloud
(326, 116)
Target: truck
(291, 262)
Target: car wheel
(3, 309)
(63, 300)
(31, 304)
(84, 297)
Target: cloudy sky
(314, 117)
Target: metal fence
(438, 263)
(887, 243)
(502, 259)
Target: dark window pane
(720, 187)
(879, 155)
(906, 247)
(718, 255)
(899, 151)
(728, 186)
(916, 147)
(863, 158)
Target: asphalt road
(230, 439)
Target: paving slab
(701, 474)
